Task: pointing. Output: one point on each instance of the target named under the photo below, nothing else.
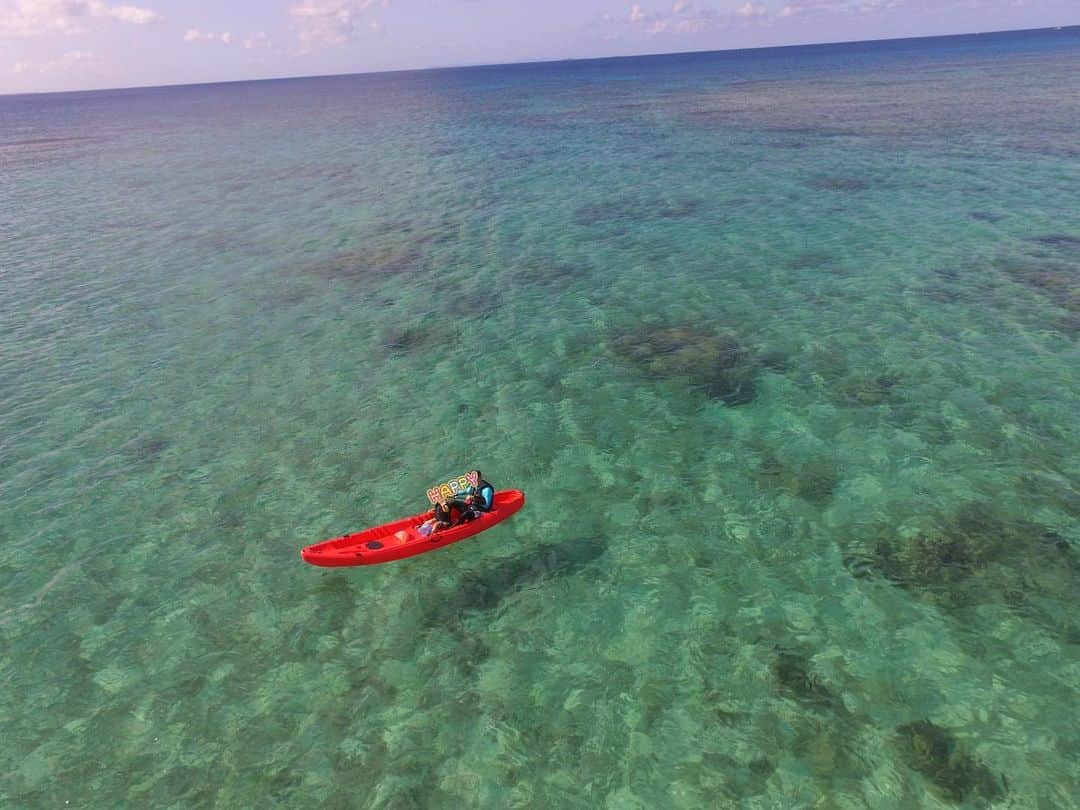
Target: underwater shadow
(486, 589)
(936, 754)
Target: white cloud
(259, 40)
(653, 23)
(195, 35)
(799, 7)
(868, 6)
(131, 14)
(751, 9)
(327, 22)
(693, 25)
(71, 59)
(810, 6)
(682, 19)
(27, 18)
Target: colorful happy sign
(444, 492)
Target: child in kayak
(442, 519)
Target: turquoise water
(781, 346)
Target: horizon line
(536, 61)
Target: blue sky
(80, 44)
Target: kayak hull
(400, 539)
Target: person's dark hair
(479, 474)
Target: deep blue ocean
(780, 344)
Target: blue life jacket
(485, 494)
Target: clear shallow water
(781, 345)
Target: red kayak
(401, 539)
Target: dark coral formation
(826, 733)
(811, 260)
(935, 753)
(813, 480)
(874, 389)
(1057, 281)
(473, 296)
(943, 552)
(941, 293)
(551, 272)
(774, 359)
(408, 338)
(417, 232)
(285, 296)
(679, 209)
(973, 556)
(629, 210)
(1070, 324)
(1059, 241)
(472, 302)
(371, 262)
(792, 671)
(834, 182)
(151, 448)
(933, 557)
(145, 451)
(741, 780)
(228, 519)
(718, 364)
(563, 120)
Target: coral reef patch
(718, 364)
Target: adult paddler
(479, 497)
